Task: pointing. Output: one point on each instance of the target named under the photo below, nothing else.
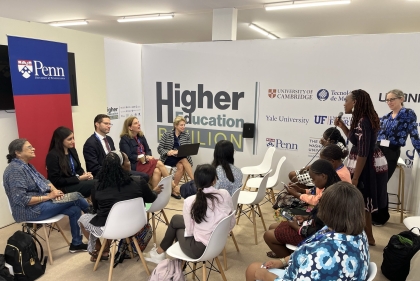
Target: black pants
(189, 246)
(392, 154)
(84, 187)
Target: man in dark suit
(98, 145)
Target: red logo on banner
(272, 93)
(25, 68)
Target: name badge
(385, 143)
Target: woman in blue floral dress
(339, 251)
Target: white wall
(90, 68)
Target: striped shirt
(167, 143)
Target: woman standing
(134, 144)
(63, 165)
(366, 164)
(394, 130)
(168, 150)
(229, 177)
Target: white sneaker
(154, 257)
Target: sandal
(272, 255)
(94, 256)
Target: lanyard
(73, 170)
(140, 146)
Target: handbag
(143, 237)
(398, 253)
(68, 197)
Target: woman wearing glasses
(394, 130)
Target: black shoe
(176, 196)
(78, 248)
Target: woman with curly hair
(114, 185)
(367, 164)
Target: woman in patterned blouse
(393, 133)
(339, 251)
(229, 177)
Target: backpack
(21, 253)
(188, 189)
(4, 271)
(168, 270)
(398, 253)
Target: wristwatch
(78, 177)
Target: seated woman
(63, 165)
(293, 232)
(200, 216)
(168, 150)
(134, 144)
(339, 251)
(229, 177)
(32, 197)
(331, 136)
(114, 185)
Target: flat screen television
(6, 90)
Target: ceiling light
(146, 17)
(303, 4)
(68, 23)
(262, 31)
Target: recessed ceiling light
(146, 17)
(69, 23)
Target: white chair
(156, 209)
(53, 221)
(373, 269)
(260, 169)
(253, 200)
(272, 181)
(291, 247)
(235, 198)
(411, 222)
(125, 219)
(214, 248)
(172, 171)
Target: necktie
(107, 145)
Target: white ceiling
(193, 18)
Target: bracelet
(283, 261)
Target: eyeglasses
(391, 99)
(30, 147)
(107, 124)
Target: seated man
(98, 145)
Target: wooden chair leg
(246, 180)
(261, 215)
(62, 233)
(141, 256)
(194, 270)
(111, 264)
(164, 216)
(239, 214)
(402, 193)
(220, 269)
(204, 271)
(234, 241)
(100, 254)
(224, 258)
(130, 249)
(273, 199)
(48, 244)
(154, 228)
(254, 223)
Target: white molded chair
(291, 247)
(253, 200)
(272, 181)
(411, 222)
(214, 248)
(172, 171)
(125, 219)
(373, 269)
(235, 198)
(51, 221)
(260, 169)
(156, 209)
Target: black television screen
(6, 91)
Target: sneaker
(153, 255)
(78, 248)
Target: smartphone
(286, 215)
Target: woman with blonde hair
(168, 150)
(134, 144)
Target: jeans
(71, 209)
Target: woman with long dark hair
(367, 163)
(114, 185)
(229, 177)
(63, 165)
(200, 216)
(294, 231)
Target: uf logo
(320, 119)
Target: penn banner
(41, 91)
